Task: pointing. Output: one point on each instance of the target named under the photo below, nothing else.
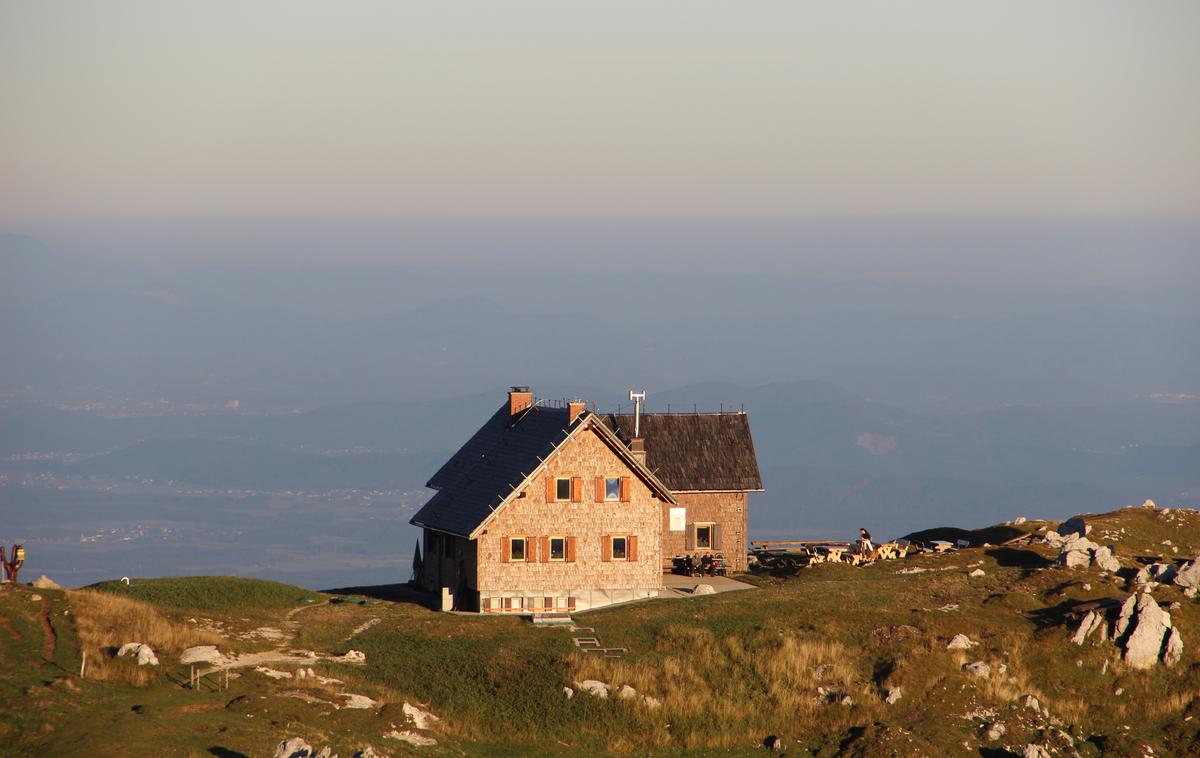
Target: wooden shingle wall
(589, 519)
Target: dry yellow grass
(737, 687)
(104, 622)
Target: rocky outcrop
(412, 738)
(293, 748)
(1090, 623)
(892, 695)
(144, 653)
(1145, 643)
(978, 669)
(1076, 551)
(1188, 577)
(961, 642)
(44, 582)
(1104, 558)
(418, 717)
(593, 687)
(1174, 648)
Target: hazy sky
(160, 109)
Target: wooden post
(83, 665)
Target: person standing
(865, 546)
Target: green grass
(210, 594)
(730, 669)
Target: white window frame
(558, 480)
(550, 554)
(512, 543)
(615, 496)
(613, 549)
(696, 535)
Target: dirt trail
(51, 643)
(279, 654)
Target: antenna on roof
(637, 398)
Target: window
(562, 488)
(612, 488)
(620, 548)
(704, 536)
(558, 548)
(516, 549)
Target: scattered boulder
(978, 669)
(1030, 702)
(144, 653)
(977, 572)
(354, 656)
(412, 738)
(892, 695)
(44, 582)
(1053, 539)
(1076, 552)
(568, 692)
(961, 642)
(1090, 623)
(1189, 576)
(593, 687)
(626, 692)
(995, 732)
(1124, 617)
(1174, 649)
(273, 673)
(1019, 520)
(1104, 558)
(1145, 643)
(418, 717)
(651, 702)
(358, 702)
(703, 589)
(202, 654)
(369, 752)
(293, 748)
(1034, 750)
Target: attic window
(612, 488)
(562, 488)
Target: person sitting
(706, 564)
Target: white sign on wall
(678, 519)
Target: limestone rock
(412, 738)
(1019, 520)
(1076, 552)
(357, 702)
(273, 673)
(418, 717)
(978, 669)
(995, 732)
(326, 752)
(369, 752)
(1124, 617)
(1032, 704)
(961, 642)
(593, 687)
(144, 653)
(1174, 649)
(293, 748)
(568, 693)
(651, 702)
(1150, 627)
(44, 582)
(354, 656)
(1164, 572)
(1053, 539)
(1090, 623)
(978, 572)
(703, 589)
(626, 692)
(1034, 750)
(1189, 575)
(892, 695)
(1104, 558)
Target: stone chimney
(575, 409)
(519, 398)
(637, 446)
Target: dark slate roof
(484, 471)
(695, 451)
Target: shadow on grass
(1055, 615)
(1015, 558)
(224, 752)
(393, 593)
(997, 752)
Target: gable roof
(696, 452)
(499, 458)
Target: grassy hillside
(807, 657)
